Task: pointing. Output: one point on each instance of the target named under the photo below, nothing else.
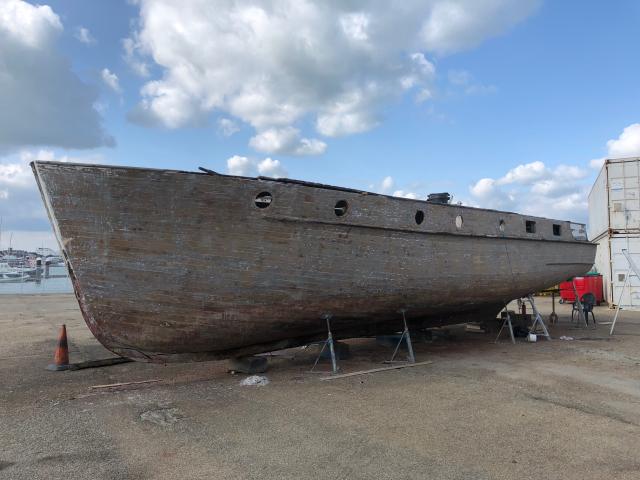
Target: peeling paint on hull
(183, 266)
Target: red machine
(588, 284)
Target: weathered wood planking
(171, 265)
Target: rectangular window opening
(530, 226)
(556, 230)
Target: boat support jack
(328, 342)
(506, 323)
(406, 336)
(538, 322)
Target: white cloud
(275, 64)
(246, 167)
(464, 81)
(457, 25)
(286, 141)
(403, 194)
(32, 26)
(310, 146)
(535, 189)
(111, 80)
(559, 192)
(525, 174)
(353, 112)
(387, 184)
(83, 35)
(459, 77)
(557, 186)
(483, 188)
(227, 127)
(356, 26)
(627, 144)
(242, 166)
(424, 95)
(570, 172)
(43, 101)
(271, 168)
(131, 56)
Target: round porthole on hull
(263, 200)
(341, 208)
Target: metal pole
(507, 321)
(538, 319)
(328, 342)
(334, 363)
(615, 318)
(553, 317)
(407, 339)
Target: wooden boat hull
(182, 266)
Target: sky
(506, 104)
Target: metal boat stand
(507, 322)
(538, 321)
(553, 316)
(328, 342)
(627, 281)
(406, 336)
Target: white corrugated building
(614, 224)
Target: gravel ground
(552, 410)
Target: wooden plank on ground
(375, 370)
(105, 362)
(123, 384)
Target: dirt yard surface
(565, 409)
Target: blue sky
(505, 104)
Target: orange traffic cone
(61, 357)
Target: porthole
(341, 208)
(419, 217)
(459, 222)
(501, 225)
(263, 200)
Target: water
(61, 283)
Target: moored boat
(10, 274)
(178, 266)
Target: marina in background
(24, 272)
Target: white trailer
(614, 224)
(613, 266)
(614, 200)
